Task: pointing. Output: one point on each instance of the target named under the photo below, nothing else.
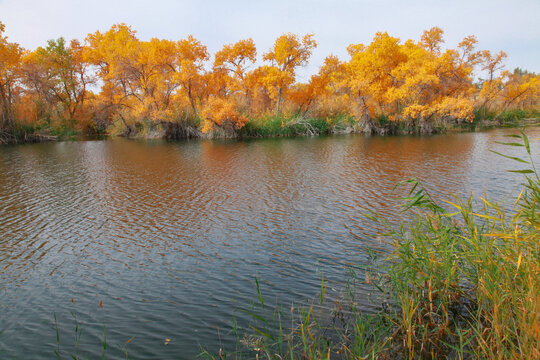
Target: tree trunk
(192, 102)
(4, 108)
(278, 102)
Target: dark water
(170, 236)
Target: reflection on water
(170, 236)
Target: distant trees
(10, 75)
(58, 77)
(114, 79)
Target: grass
(294, 125)
(72, 349)
(461, 283)
(509, 116)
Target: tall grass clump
(462, 282)
(295, 125)
(465, 284)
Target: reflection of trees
(40, 193)
(441, 163)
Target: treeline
(114, 82)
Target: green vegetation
(295, 125)
(460, 283)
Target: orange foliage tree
(288, 53)
(10, 75)
(222, 112)
(156, 81)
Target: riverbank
(7, 138)
(462, 283)
(275, 126)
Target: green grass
(295, 125)
(64, 132)
(506, 116)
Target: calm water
(170, 236)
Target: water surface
(170, 236)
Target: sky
(509, 25)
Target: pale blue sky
(512, 26)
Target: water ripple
(170, 236)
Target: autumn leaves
(114, 79)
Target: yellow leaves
(416, 111)
(231, 63)
(460, 108)
(492, 62)
(233, 58)
(490, 90)
(370, 67)
(411, 80)
(191, 51)
(103, 49)
(165, 80)
(222, 113)
(352, 49)
(289, 51)
(275, 80)
(148, 72)
(468, 55)
(520, 89)
(432, 39)
(448, 107)
(10, 56)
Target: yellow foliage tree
(413, 80)
(149, 82)
(520, 89)
(288, 53)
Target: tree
(432, 39)
(143, 76)
(222, 112)
(288, 53)
(113, 54)
(469, 56)
(232, 62)
(491, 88)
(492, 62)
(521, 89)
(59, 75)
(190, 58)
(325, 85)
(236, 58)
(370, 73)
(10, 75)
(409, 81)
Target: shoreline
(174, 131)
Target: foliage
(114, 81)
(222, 113)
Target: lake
(170, 236)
